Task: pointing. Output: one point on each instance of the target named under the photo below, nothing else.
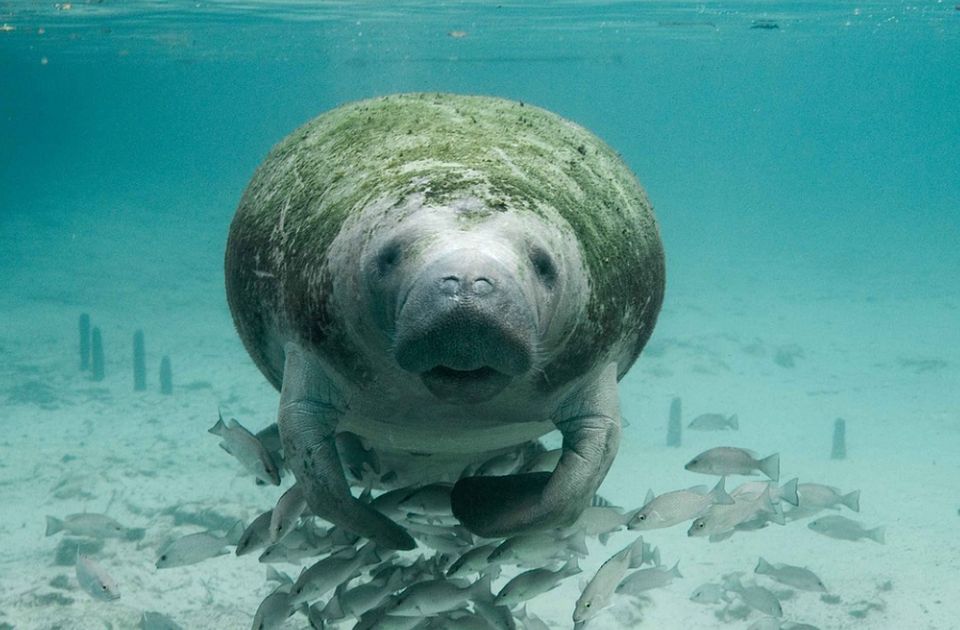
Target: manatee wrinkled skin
(448, 277)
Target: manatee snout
(465, 327)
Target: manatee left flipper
(504, 506)
(308, 421)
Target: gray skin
(448, 277)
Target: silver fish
(730, 460)
(714, 422)
(94, 580)
(531, 621)
(431, 499)
(648, 579)
(761, 599)
(436, 596)
(598, 591)
(247, 449)
(328, 573)
(256, 535)
(498, 617)
(86, 524)
(290, 506)
(675, 507)
(601, 521)
(472, 561)
(543, 462)
(843, 528)
(356, 457)
(150, 620)
(538, 549)
(355, 601)
(535, 582)
(753, 489)
(815, 495)
(708, 593)
(194, 548)
(503, 464)
(719, 519)
(797, 577)
(272, 611)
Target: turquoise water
(802, 159)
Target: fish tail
(54, 525)
(851, 500)
(763, 567)
(788, 492)
(770, 466)
(878, 534)
(675, 571)
(656, 557)
(719, 494)
(219, 427)
(734, 422)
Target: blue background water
(806, 180)
(822, 142)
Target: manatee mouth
(452, 385)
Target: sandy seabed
(883, 358)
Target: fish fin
(764, 503)
(571, 566)
(878, 534)
(778, 516)
(734, 422)
(482, 589)
(770, 466)
(656, 557)
(675, 571)
(719, 494)
(603, 538)
(636, 552)
(851, 500)
(715, 538)
(219, 428)
(788, 492)
(224, 446)
(54, 525)
(234, 533)
(598, 501)
(334, 607)
(650, 496)
(763, 567)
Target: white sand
(136, 453)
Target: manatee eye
(543, 265)
(388, 257)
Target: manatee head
(469, 298)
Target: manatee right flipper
(496, 507)
(308, 421)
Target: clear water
(802, 158)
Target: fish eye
(700, 525)
(163, 557)
(642, 517)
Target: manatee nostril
(450, 285)
(482, 286)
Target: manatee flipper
(308, 420)
(503, 506)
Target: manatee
(447, 277)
